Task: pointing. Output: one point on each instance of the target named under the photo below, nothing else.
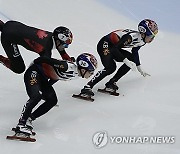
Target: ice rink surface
(150, 106)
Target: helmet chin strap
(83, 74)
(143, 36)
(59, 44)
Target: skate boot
(22, 133)
(5, 61)
(29, 123)
(111, 86)
(23, 129)
(87, 91)
(86, 94)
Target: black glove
(73, 59)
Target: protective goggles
(65, 45)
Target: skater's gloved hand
(143, 73)
(130, 64)
(73, 59)
(69, 73)
(71, 66)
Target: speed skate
(108, 91)
(21, 137)
(83, 97)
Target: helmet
(148, 27)
(86, 61)
(63, 34)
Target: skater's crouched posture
(111, 49)
(39, 78)
(42, 42)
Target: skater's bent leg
(109, 67)
(14, 61)
(33, 88)
(28, 107)
(124, 68)
(120, 73)
(100, 75)
(50, 101)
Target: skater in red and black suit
(14, 33)
(39, 78)
(111, 49)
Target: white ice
(150, 106)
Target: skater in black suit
(40, 77)
(111, 49)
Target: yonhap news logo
(101, 138)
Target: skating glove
(73, 59)
(70, 73)
(130, 64)
(143, 73)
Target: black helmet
(63, 34)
